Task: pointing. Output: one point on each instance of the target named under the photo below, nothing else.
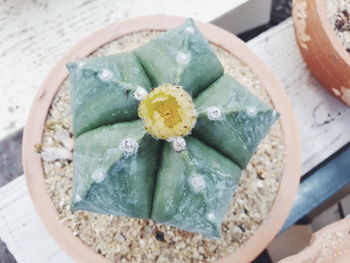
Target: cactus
(194, 188)
(245, 119)
(102, 90)
(115, 168)
(162, 132)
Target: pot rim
(33, 132)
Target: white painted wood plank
(245, 17)
(323, 120)
(35, 34)
(22, 230)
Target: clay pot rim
(33, 168)
(318, 242)
(330, 33)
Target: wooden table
(31, 48)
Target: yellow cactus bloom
(168, 111)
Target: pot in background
(323, 52)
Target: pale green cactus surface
(121, 168)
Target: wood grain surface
(323, 120)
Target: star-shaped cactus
(162, 132)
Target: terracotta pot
(324, 54)
(33, 168)
(330, 244)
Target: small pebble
(142, 242)
(160, 236)
(58, 164)
(260, 184)
(148, 229)
(120, 237)
(61, 204)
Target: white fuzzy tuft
(81, 64)
(99, 175)
(129, 146)
(197, 182)
(140, 93)
(179, 144)
(183, 58)
(105, 74)
(189, 29)
(211, 217)
(214, 113)
(77, 198)
(251, 110)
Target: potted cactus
(162, 132)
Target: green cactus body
(178, 165)
(194, 188)
(103, 89)
(246, 120)
(181, 56)
(112, 179)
